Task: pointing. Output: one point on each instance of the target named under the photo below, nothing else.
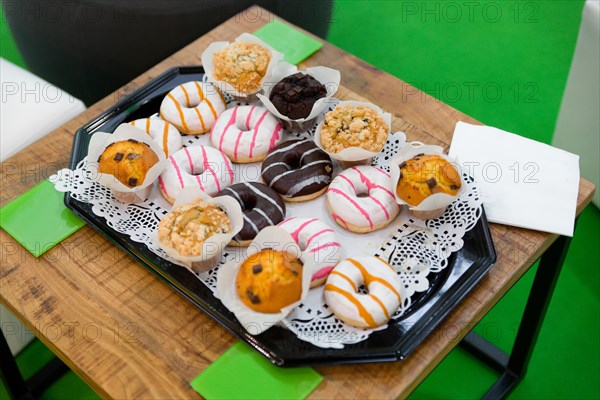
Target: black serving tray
(465, 268)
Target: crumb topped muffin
(424, 175)
(128, 161)
(242, 65)
(353, 126)
(188, 226)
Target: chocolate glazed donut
(298, 170)
(261, 207)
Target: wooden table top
(128, 335)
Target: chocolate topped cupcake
(295, 95)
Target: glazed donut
(193, 107)
(298, 170)
(261, 207)
(319, 240)
(363, 310)
(164, 134)
(246, 133)
(200, 166)
(361, 199)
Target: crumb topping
(242, 65)
(353, 126)
(188, 226)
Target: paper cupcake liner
(255, 322)
(352, 156)
(328, 77)
(434, 205)
(214, 246)
(101, 140)
(207, 58)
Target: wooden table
(128, 335)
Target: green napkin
(38, 219)
(295, 45)
(242, 373)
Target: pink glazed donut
(200, 166)
(361, 199)
(246, 133)
(319, 241)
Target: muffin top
(295, 95)
(353, 126)
(242, 65)
(188, 226)
(269, 281)
(128, 161)
(424, 175)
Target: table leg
(17, 387)
(514, 366)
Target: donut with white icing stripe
(363, 310)
(193, 107)
(298, 170)
(164, 134)
(261, 207)
(246, 133)
(317, 240)
(361, 199)
(196, 166)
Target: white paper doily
(415, 248)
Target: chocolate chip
(431, 182)
(420, 154)
(402, 164)
(400, 176)
(132, 156)
(118, 157)
(254, 299)
(257, 269)
(132, 140)
(454, 187)
(132, 182)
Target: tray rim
(434, 317)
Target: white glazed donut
(363, 310)
(164, 134)
(246, 133)
(200, 166)
(193, 107)
(318, 241)
(361, 199)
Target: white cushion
(30, 108)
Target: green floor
(505, 63)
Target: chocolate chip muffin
(295, 95)
(424, 175)
(269, 281)
(128, 161)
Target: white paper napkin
(524, 183)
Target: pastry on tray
(424, 175)
(295, 95)
(358, 309)
(298, 170)
(353, 126)
(269, 281)
(188, 226)
(261, 207)
(128, 161)
(243, 65)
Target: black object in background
(90, 48)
